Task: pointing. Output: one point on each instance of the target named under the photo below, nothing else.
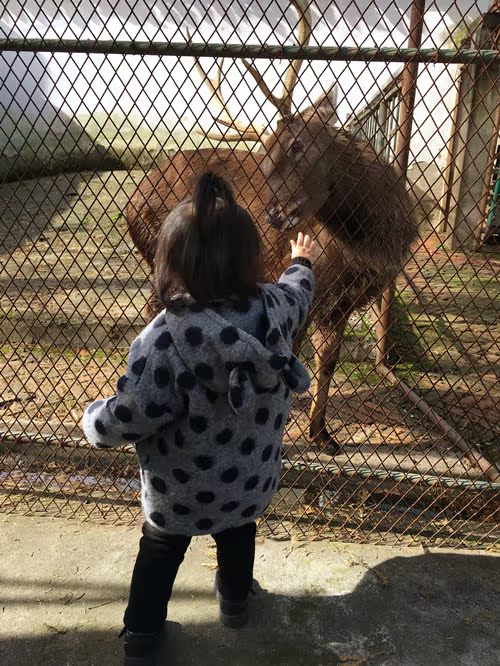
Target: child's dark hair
(208, 246)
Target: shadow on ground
(407, 611)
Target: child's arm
(298, 280)
(145, 401)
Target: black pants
(158, 561)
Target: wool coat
(205, 399)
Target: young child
(205, 399)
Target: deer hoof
(325, 442)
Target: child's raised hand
(305, 247)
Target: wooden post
(408, 92)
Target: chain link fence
(94, 96)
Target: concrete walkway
(64, 586)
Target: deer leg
(327, 342)
(299, 338)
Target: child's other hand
(305, 247)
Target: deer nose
(274, 217)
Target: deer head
(292, 164)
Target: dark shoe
(232, 614)
(140, 649)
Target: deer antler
(283, 104)
(250, 131)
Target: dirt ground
(72, 292)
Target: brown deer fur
(315, 178)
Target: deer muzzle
(280, 218)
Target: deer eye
(297, 147)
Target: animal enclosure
(375, 127)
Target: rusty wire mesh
(79, 130)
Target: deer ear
(325, 107)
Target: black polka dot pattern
(180, 475)
(275, 483)
(277, 453)
(186, 380)
(247, 446)
(252, 482)
(305, 284)
(139, 365)
(100, 427)
(224, 436)
(194, 336)
(162, 446)
(229, 335)
(290, 300)
(211, 396)
(273, 337)
(229, 475)
(248, 366)
(159, 485)
(120, 384)
(204, 462)
(163, 341)
(204, 372)
(181, 509)
(269, 301)
(278, 421)
(123, 414)
(154, 410)
(205, 497)
(249, 511)
(157, 518)
(178, 439)
(204, 524)
(229, 507)
(198, 424)
(267, 483)
(161, 376)
(266, 453)
(261, 416)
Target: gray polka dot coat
(205, 399)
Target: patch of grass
(358, 373)
(362, 330)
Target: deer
(309, 175)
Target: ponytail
(212, 196)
